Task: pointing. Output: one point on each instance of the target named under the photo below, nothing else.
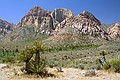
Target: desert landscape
(8, 73)
(57, 43)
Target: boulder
(88, 73)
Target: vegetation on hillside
(81, 52)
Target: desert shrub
(56, 63)
(71, 64)
(34, 62)
(103, 61)
(113, 65)
(7, 56)
(51, 64)
(103, 53)
(80, 66)
(106, 65)
(39, 68)
(9, 59)
(70, 47)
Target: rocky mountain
(51, 22)
(38, 17)
(114, 32)
(5, 27)
(86, 23)
(44, 20)
(56, 22)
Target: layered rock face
(60, 14)
(52, 22)
(59, 22)
(5, 27)
(114, 32)
(40, 18)
(86, 23)
(45, 20)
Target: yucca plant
(32, 58)
(38, 49)
(103, 60)
(103, 53)
(39, 68)
(25, 56)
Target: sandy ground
(8, 73)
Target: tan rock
(88, 73)
(114, 32)
(86, 23)
(40, 18)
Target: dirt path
(8, 73)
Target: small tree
(103, 53)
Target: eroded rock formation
(52, 22)
(114, 32)
(86, 23)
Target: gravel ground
(9, 73)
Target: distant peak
(36, 7)
(89, 15)
(85, 12)
(60, 9)
(117, 24)
(35, 10)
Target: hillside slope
(5, 28)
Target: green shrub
(9, 59)
(52, 64)
(39, 68)
(113, 65)
(103, 53)
(34, 63)
(106, 65)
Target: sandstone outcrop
(52, 22)
(114, 32)
(60, 14)
(86, 23)
(57, 22)
(40, 18)
(45, 20)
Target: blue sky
(107, 11)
